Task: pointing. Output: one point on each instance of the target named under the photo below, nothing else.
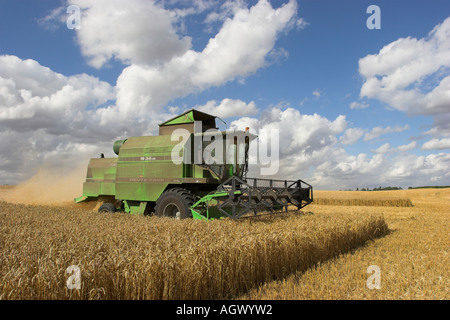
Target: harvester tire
(107, 208)
(175, 203)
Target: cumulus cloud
(438, 144)
(396, 73)
(379, 131)
(298, 132)
(412, 75)
(225, 11)
(239, 49)
(441, 126)
(341, 170)
(134, 31)
(48, 117)
(383, 149)
(406, 147)
(53, 116)
(301, 139)
(414, 170)
(351, 135)
(386, 148)
(309, 148)
(229, 108)
(358, 105)
(41, 98)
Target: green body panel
(142, 171)
(100, 177)
(135, 207)
(184, 118)
(144, 168)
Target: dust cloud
(48, 187)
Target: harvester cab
(191, 169)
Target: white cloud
(379, 131)
(242, 44)
(358, 105)
(351, 135)
(414, 170)
(441, 126)
(304, 140)
(406, 147)
(383, 149)
(135, 31)
(9, 96)
(386, 148)
(309, 150)
(226, 10)
(239, 49)
(58, 119)
(407, 62)
(50, 114)
(301, 24)
(229, 108)
(30, 77)
(53, 20)
(41, 98)
(48, 117)
(340, 170)
(412, 75)
(439, 144)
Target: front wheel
(175, 203)
(107, 208)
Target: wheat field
(364, 202)
(321, 253)
(413, 258)
(132, 257)
(396, 198)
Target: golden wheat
(413, 259)
(364, 202)
(130, 257)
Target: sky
(360, 96)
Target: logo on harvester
(230, 147)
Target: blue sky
(315, 71)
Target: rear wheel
(107, 208)
(175, 203)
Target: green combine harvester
(182, 173)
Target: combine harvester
(155, 175)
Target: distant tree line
(393, 188)
(429, 187)
(380, 189)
